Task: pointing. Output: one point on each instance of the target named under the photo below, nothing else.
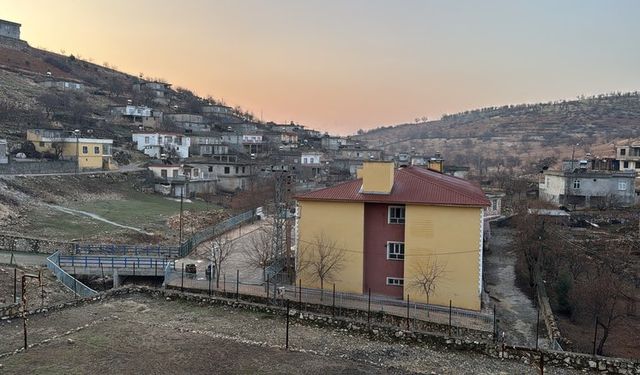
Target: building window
(243, 169)
(395, 250)
(304, 160)
(175, 173)
(227, 170)
(146, 140)
(396, 214)
(622, 185)
(85, 149)
(623, 151)
(41, 144)
(576, 184)
(395, 281)
(96, 150)
(163, 173)
(237, 170)
(210, 169)
(625, 164)
(494, 205)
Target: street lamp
(77, 134)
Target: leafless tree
(322, 259)
(57, 149)
(222, 247)
(259, 253)
(427, 276)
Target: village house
(207, 144)
(154, 144)
(333, 143)
(10, 29)
(189, 121)
(393, 226)
(63, 84)
(583, 187)
(136, 115)
(4, 152)
(157, 89)
(90, 153)
(252, 143)
(358, 153)
(216, 109)
(628, 157)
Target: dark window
(395, 250)
(395, 281)
(626, 164)
(227, 170)
(210, 169)
(396, 214)
(85, 149)
(623, 151)
(237, 170)
(96, 150)
(163, 173)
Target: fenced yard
(369, 309)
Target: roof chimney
(377, 177)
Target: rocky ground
(136, 334)
(50, 292)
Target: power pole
(282, 192)
(24, 305)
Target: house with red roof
(408, 233)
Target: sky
(343, 65)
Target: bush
(563, 289)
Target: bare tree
(221, 248)
(322, 259)
(259, 253)
(427, 276)
(57, 149)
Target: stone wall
(13, 43)
(11, 242)
(38, 167)
(579, 361)
(9, 310)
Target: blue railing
(69, 281)
(113, 262)
(141, 250)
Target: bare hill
(509, 135)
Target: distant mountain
(510, 135)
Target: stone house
(10, 29)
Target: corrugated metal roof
(411, 185)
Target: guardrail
(112, 262)
(142, 250)
(53, 264)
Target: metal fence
(139, 250)
(150, 266)
(203, 235)
(338, 303)
(69, 281)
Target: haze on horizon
(344, 65)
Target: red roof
(411, 185)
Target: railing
(110, 263)
(53, 264)
(205, 234)
(138, 250)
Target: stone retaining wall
(38, 167)
(11, 242)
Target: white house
(155, 144)
(310, 158)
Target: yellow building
(396, 232)
(91, 153)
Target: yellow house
(90, 153)
(408, 232)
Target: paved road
(23, 258)
(516, 312)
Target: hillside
(510, 135)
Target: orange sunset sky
(343, 65)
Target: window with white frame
(622, 185)
(576, 184)
(146, 139)
(395, 250)
(396, 214)
(395, 281)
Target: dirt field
(51, 291)
(139, 334)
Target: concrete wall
(340, 222)
(450, 237)
(38, 167)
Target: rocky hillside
(512, 135)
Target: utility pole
(282, 190)
(77, 134)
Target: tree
(57, 149)
(427, 276)
(259, 253)
(322, 259)
(221, 248)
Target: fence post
(267, 291)
(333, 301)
(134, 268)
(300, 295)
(210, 279)
(595, 336)
(237, 285)
(408, 312)
(286, 345)
(224, 283)
(369, 309)
(104, 284)
(495, 325)
(538, 326)
(156, 268)
(275, 293)
(449, 318)
(182, 279)
(15, 285)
